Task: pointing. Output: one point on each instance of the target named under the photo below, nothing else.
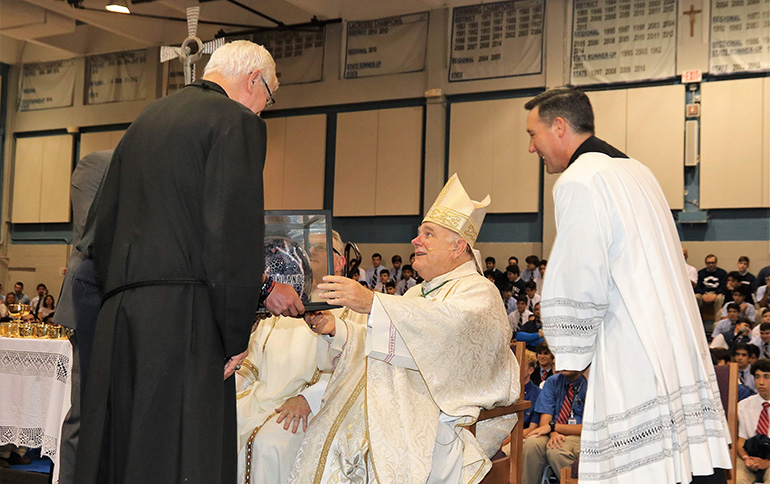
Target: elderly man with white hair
(178, 257)
(424, 365)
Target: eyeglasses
(270, 100)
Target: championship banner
(623, 40)
(502, 39)
(740, 36)
(47, 85)
(116, 77)
(390, 45)
(299, 56)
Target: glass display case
(298, 252)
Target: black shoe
(18, 460)
(4, 463)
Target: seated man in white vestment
(280, 392)
(423, 367)
(652, 412)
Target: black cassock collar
(595, 145)
(208, 85)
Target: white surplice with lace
(617, 297)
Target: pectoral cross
(692, 13)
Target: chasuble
(391, 424)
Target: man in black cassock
(178, 256)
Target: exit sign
(691, 76)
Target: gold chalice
(18, 311)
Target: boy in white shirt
(384, 278)
(520, 316)
(752, 420)
(532, 296)
(407, 280)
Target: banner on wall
(116, 77)
(623, 40)
(46, 85)
(299, 56)
(384, 46)
(174, 74)
(740, 36)
(502, 39)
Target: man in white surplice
(423, 367)
(653, 412)
(280, 392)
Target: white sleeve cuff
(314, 393)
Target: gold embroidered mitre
(454, 210)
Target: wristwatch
(267, 288)
(552, 423)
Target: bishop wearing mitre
(424, 365)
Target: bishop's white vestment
(281, 364)
(653, 412)
(393, 424)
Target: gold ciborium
(39, 330)
(55, 331)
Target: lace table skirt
(34, 393)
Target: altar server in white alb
(280, 389)
(617, 297)
(423, 366)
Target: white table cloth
(35, 380)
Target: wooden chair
(727, 378)
(565, 476)
(507, 470)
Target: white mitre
(454, 210)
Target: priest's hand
(233, 363)
(342, 291)
(293, 412)
(321, 322)
(284, 301)
(556, 440)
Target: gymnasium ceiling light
(117, 6)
